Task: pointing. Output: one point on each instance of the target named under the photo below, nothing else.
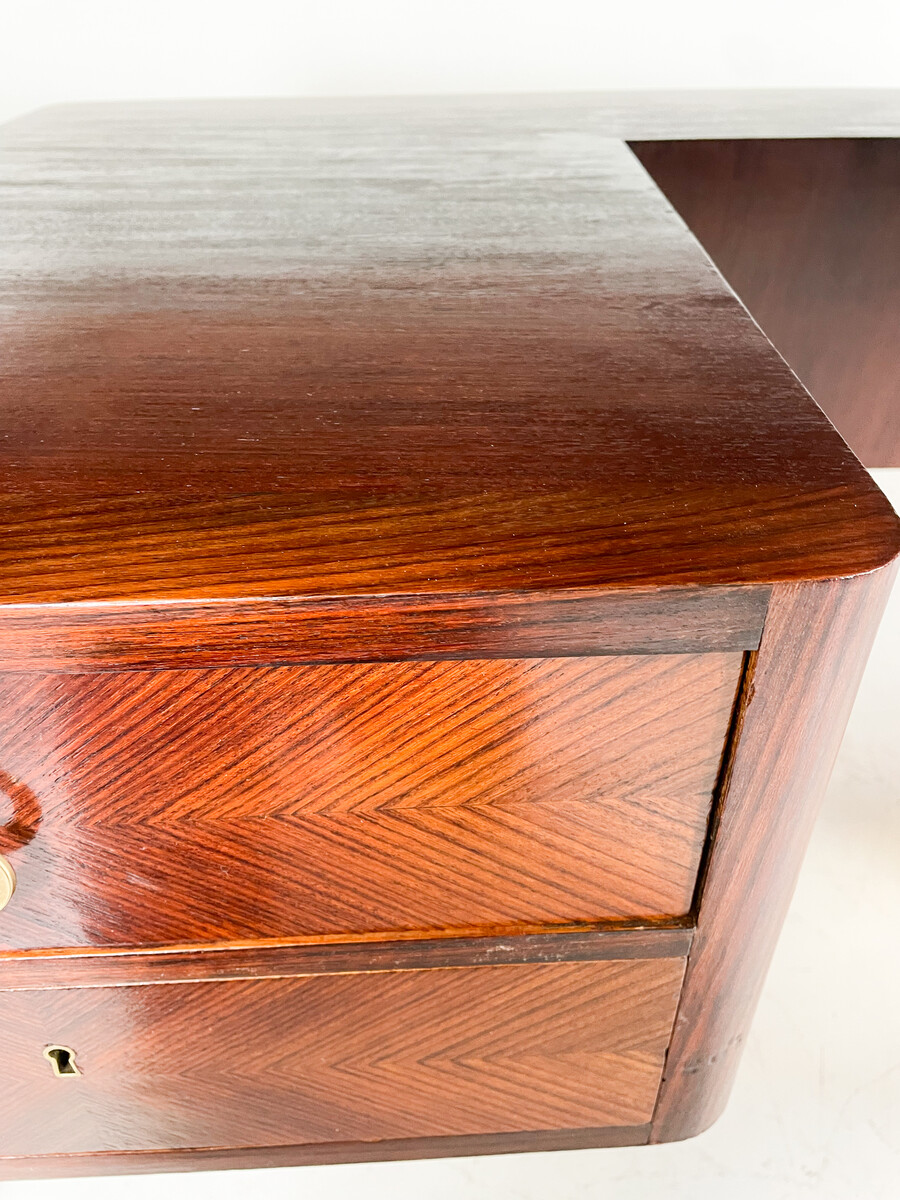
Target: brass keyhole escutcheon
(62, 1060)
(7, 881)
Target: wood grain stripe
(141, 1162)
(184, 964)
(85, 636)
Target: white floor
(816, 1109)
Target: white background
(54, 50)
(816, 1111)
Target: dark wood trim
(148, 1162)
(666, 620)
(793, 712)
(193, 963)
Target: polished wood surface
(807, 231)
(338, 1058)
(337, 956)
(795, 708)
(579, 621)
(190, 806)
(428, 611)
(278, 355)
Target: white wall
(57, 50)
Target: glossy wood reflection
(218, 805)
(428, 610)
(429, 358)
(338, 1058)
(582, 621)
(807, 232)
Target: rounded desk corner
(700, 1107)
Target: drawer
(336, 1058)
(194, 806)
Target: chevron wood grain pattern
(303, 355)
(192, 806)
(393, 502)
(337, 1058)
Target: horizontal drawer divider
(86, 636)
(266, 959)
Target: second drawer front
(159, 807)
(336, 1058)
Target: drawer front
(161, 807)
(336, 1058)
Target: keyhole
(62, 1060)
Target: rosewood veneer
(429, 611)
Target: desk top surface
(290, 349)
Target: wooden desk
(429, 610)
